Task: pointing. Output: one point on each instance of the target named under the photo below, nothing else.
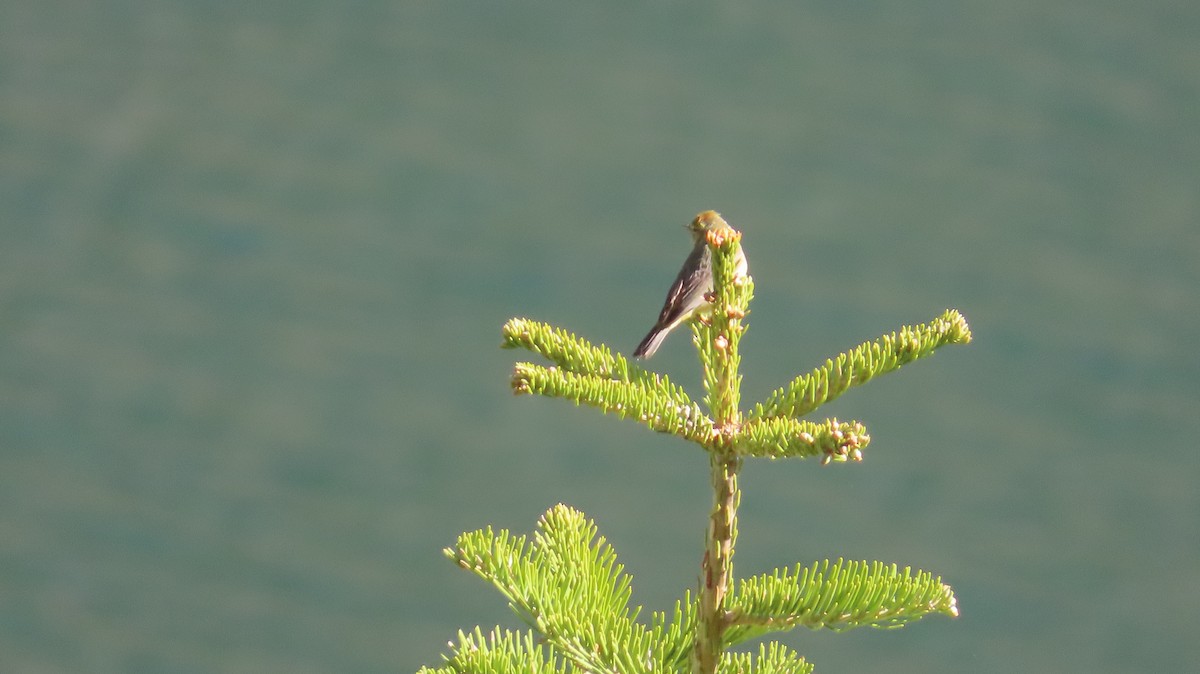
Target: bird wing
(690, 281)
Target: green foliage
(779, 438)
(500, 652)
(565, 584)
(594, 376)
(564, 581)
(808, 392)
(835, 595)
(717, 339)
(773, 658)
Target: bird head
(704, 222)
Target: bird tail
(651, 343)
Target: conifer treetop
(564, 583)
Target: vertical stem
(720, 340)
(717, 567)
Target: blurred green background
(254, 259)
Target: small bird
(687, 296)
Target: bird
(689, 294)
